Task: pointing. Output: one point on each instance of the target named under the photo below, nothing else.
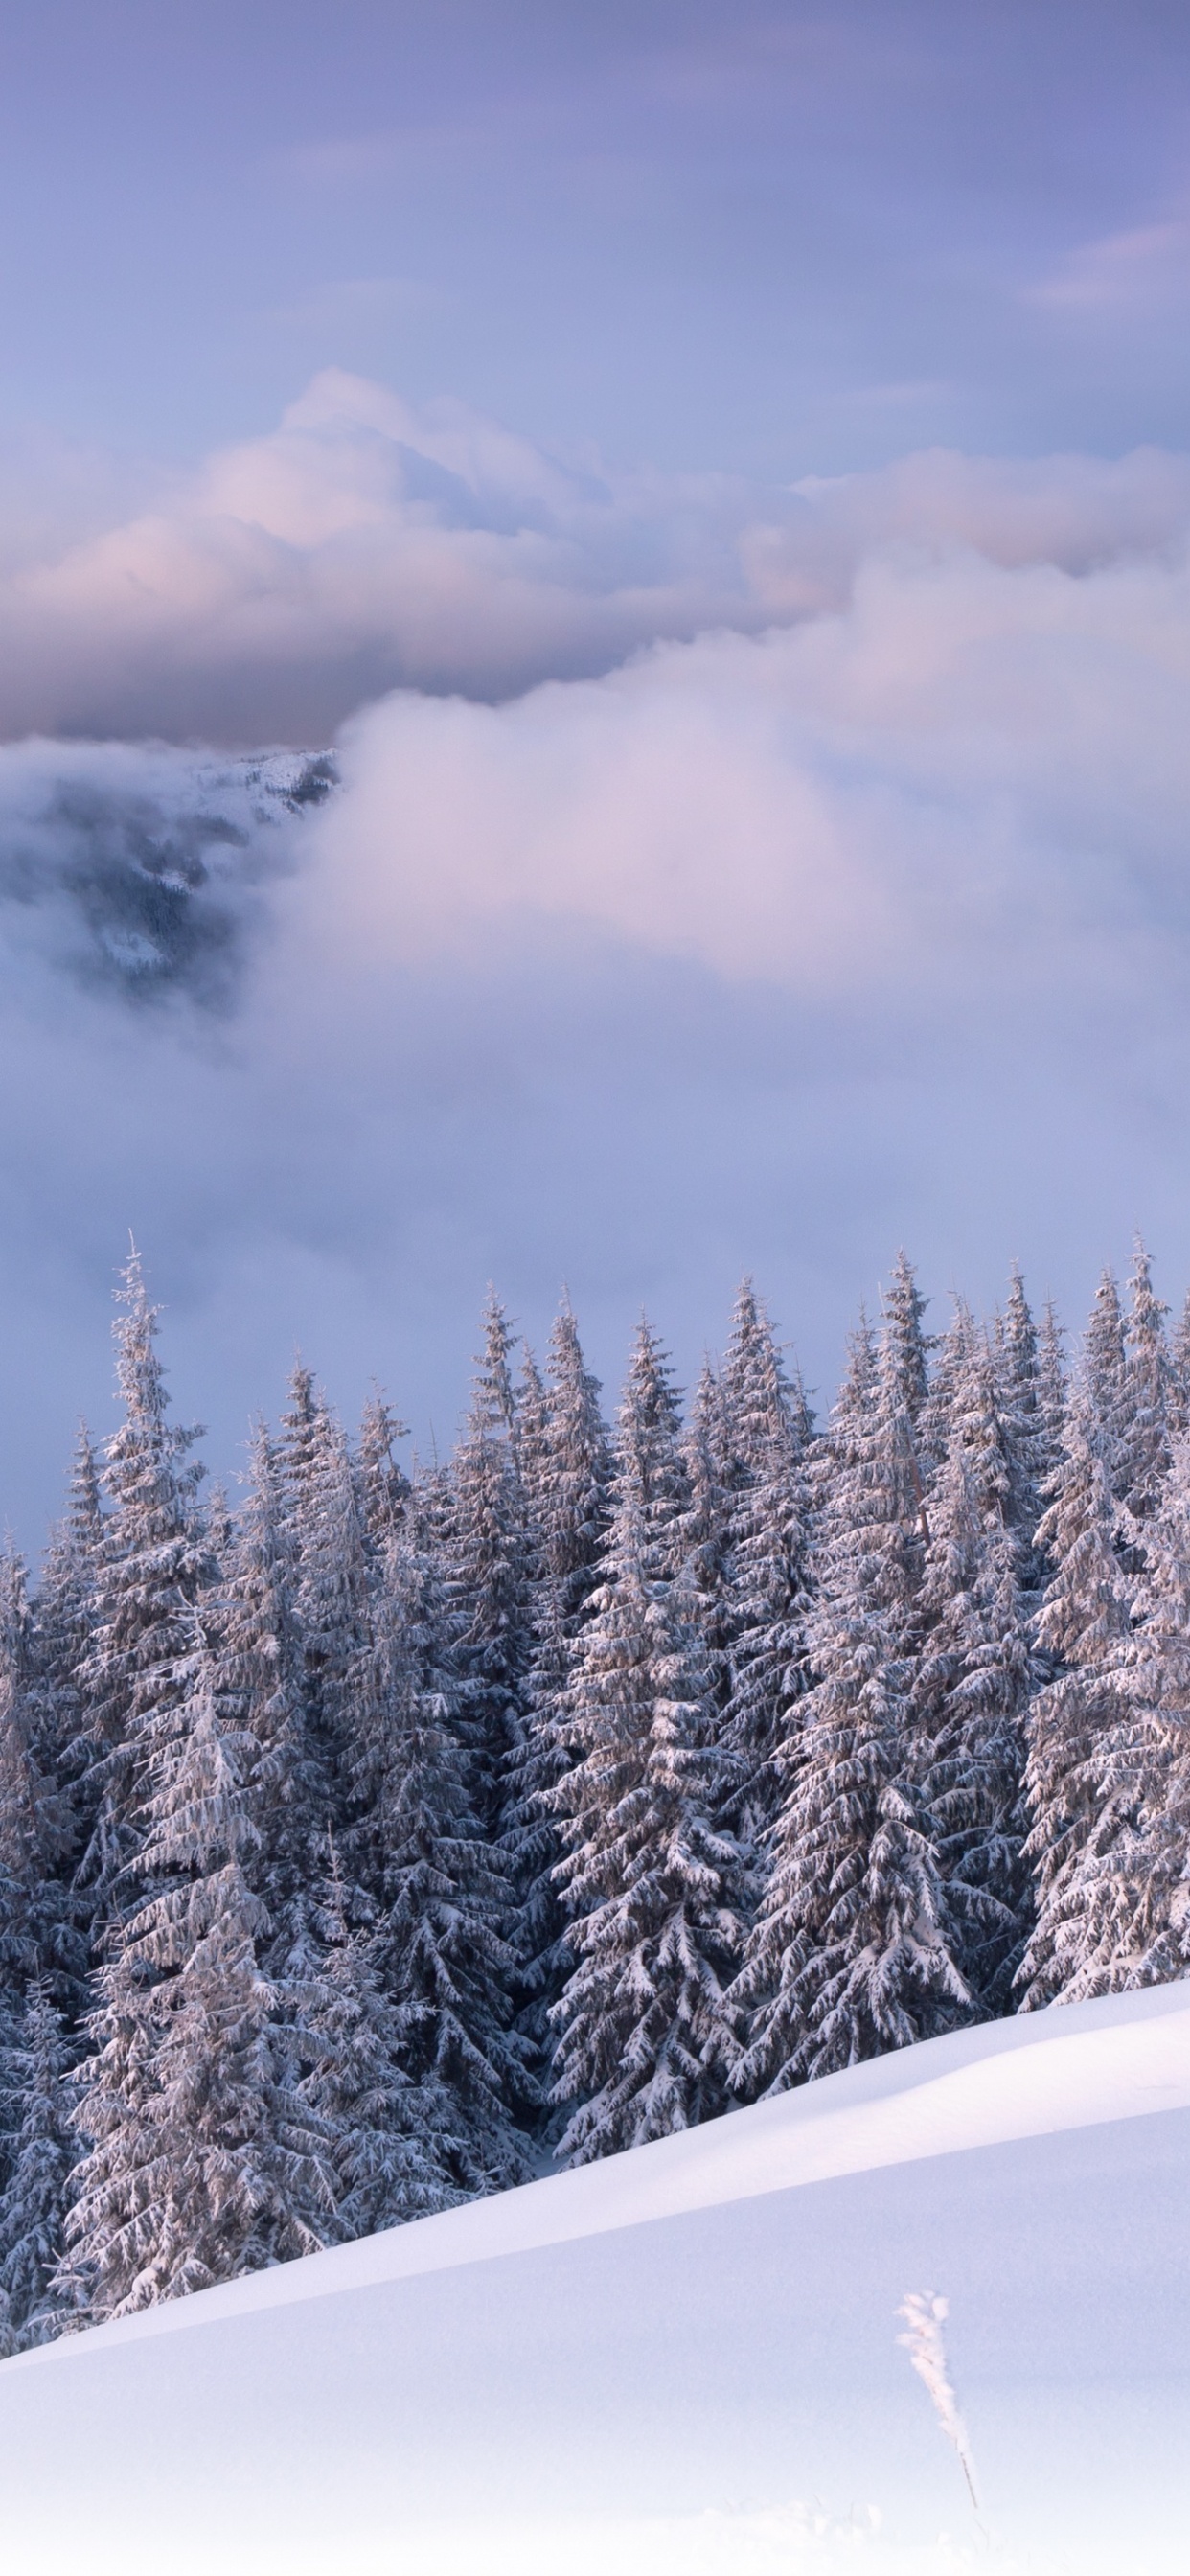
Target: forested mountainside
(364, 1845)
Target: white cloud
(365, 544)
(966, 770)
(359, 545)
(763, 949)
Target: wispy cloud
(1146, 264)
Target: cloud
(365, 544)
(763, 949)
(360, 545)
(1147, 263)
(966, 772)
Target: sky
(716, 483)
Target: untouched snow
(687, 2358)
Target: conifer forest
(371, 1839)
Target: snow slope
(687, 2358)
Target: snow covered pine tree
(654, 1888)
(852, 1950)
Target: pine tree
(656, 1892)
(1149, 1379)
(1179, 1373)
(767, 1431)
(705, 1534)
(850, 1954)
(490, 1559)
(1106, 1391)
(1052, 1391)
(62, 1634)
(443, 1894)
(332, 1603)
(37, 1933)
(566, 1470)
(393, 2146)
(320, 1503)
(1082, 1627)
(1122, 1909)
(974, 1671)
(530, 1415)
(33, 2205)
(263, 1674)
(202, 2159)
(153, 1562)
(383, 1485)
(1030, 1395)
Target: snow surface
(687, 2357)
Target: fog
(768, 949)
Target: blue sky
(718, 478)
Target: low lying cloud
(764, 949)
(365, 545)
(969, 774)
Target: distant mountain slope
(687, 2358)
(136, 867)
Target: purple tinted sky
(780, 239)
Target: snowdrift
(687, 2357)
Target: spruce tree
(37, 1932)
(974, 1670)
(766, 1436)
(1082, 1629)
(1123, 1907)
(654, 1888)
(34, 2202)
(490, 1567)
(1179, 1372)
(263, 1675)
(705, 1534)
(566, 1469)
(382, 1484)
(393, 2146)
(442, 1891)
(1106, 1390)
(1030, 1397)
(333, 1604)
(152, 1563)
(1149, 1379)
(320, 1501)
(202, 2159)
(62, 1632)
(851, 1951)
(1052, 1392)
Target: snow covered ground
(687, 2358)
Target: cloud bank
(365, 545)
(768, 948)
(971, 777)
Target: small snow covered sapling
(925, 2315)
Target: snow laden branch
(925, 2315)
